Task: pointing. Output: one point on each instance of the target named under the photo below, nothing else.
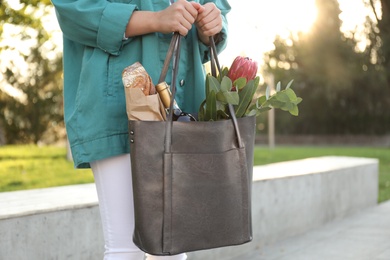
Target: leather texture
(198, 195)
(191, 180)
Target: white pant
(115, 193)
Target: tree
(379, 33)
(343, 91)
(35, 70)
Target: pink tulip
(243, 67)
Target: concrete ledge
(289, 198)
(53, 223)
(293, 197)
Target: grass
(31, 167)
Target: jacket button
(182, 82)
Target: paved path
(363, 236)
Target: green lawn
(31, 167)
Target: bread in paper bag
(142, 102)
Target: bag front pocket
(206, 200)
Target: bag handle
(174, 51)
(215, 65)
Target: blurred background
(336, 51)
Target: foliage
(35, 70)
(221, 91)
(345, 92)
(378, 34)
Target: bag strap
(174, 51)
(214, 66)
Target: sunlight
(253, 30)
(253, 24)
(291, 15)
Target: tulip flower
(243, 67)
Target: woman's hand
(178, 17)
(208, 22)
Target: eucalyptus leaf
(297, 101)
(282, 96)
(267, 92)
(276, 103)
(289, 84)
(264, 109)
(261, 100)
(287, 106)
(278, 86)
(219, 94)
(294, 111)
(252, 112)
(291, 94)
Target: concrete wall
(289, 198)
(293, 197)
(48, 224)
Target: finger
(198, 7)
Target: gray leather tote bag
(191, 180)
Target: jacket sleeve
(95, 23)
(221, 41)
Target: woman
(101, 38)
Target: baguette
(135, 76)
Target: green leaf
(276, 103)
(226, 84)
(222, 115)
(228, 97)
(223, 73)
(287, 106)
(278, 86)
(282, 96)
(297, 101)
(246, 97)
(263, 109)
(212, 85)
(201, 112)
(267, 92)
(261, 100)
(291, 94)
(240, 83)
(256, 81)
(289, 84)
(211, 107)
(294, 111)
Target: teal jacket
(94, 57)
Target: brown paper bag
(142, 102)
(141, 107)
